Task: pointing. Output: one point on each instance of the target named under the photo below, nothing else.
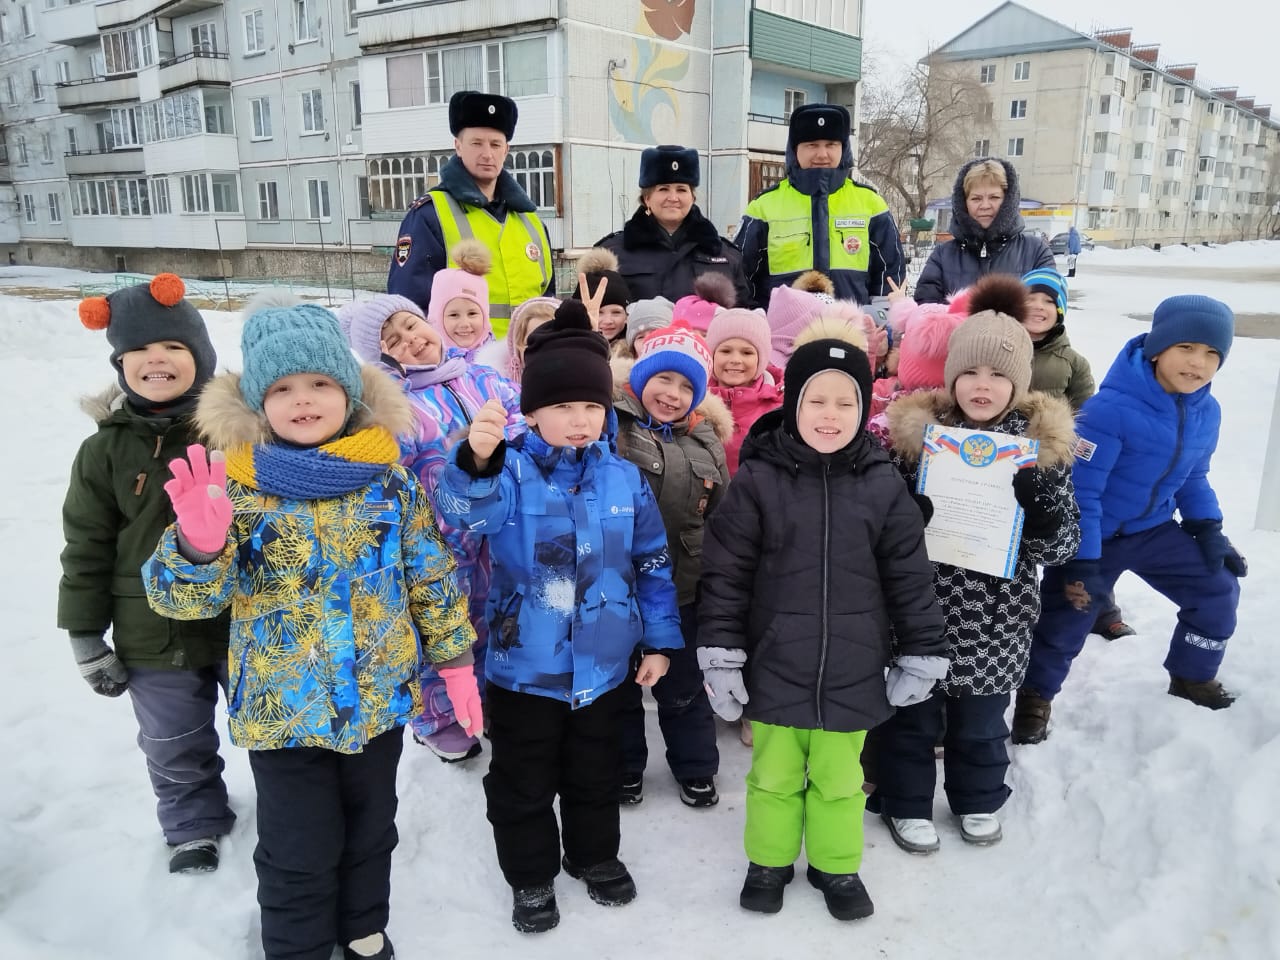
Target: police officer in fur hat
(833, 224)
(476, 197)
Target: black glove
(1215, 547)
(1082, 583)
(99, 666)
(925, 505)
(1038, 523)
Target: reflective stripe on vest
(515, 276)
(789, 214)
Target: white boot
(914, 835)
(982, 829)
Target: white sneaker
(982, 829)
(913, 835)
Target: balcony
(1176, 141)
(202, 151)
(118, 13)
(766, 133)
(388, 23)
(197, 67)
(92, 163)
(98, 92)
(817, 52)
(71, 24)
(1142, 167)
(1182, 111)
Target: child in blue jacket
(581, 580)
(1146, 440)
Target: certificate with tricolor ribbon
(968, 475)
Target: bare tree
(1269, 221)
(919, 124)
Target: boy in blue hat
(1146, 440)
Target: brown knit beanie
(995, 340)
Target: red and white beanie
(675, 348)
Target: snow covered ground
(1143, 828)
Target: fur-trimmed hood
(226, 421)
(1008, 221)
(101, 405)
(712, 409)
(1050, 421)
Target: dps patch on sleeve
(403, 246)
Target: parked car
(1058, 245)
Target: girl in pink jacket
(740, 375)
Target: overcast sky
(1232, 41)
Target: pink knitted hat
(712, 292)
(741, 324)
(790, 311)
(922, 351)
(515, 365)
(465, 282)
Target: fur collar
(100, 406)
(712, 409)
(643, 231)
(1049, 420)
(226, 421)
(455, 181)
(1008, 221)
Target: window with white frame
(312, 111)
(1202, 192)
(1016, 146)
(1100, 142)
(46, 147)
(986, 111)
(37, 84)
(255, 33)
(982, 148)
(126, 51)
(160, 195)
(535, 171)
(406, 86)
(513, 68)
(225, 190)
(217, 113)
(1022, 70)
(1104, 104)
(195, 193)
(20, 148)
(110, 198)
(204, 37)
(1205, 165)
(1017, 109)
(304, 26)
(29, 207)
(1144, 185)
(357, 108)
(175, 116)
(318, 200)
(395, 182)
(73, 141)
(791, 100)
(268, 200)
(134, 201)
(1179, 94)
(126, 131)
(55, 207)
(4, 28)
(1148, 81)
(64, 71)
(10, 90)
(987, 73)
(28, 20)
(352, 26)
(1173, 158)
(362, 197)
(260, 112)
(1109, 180)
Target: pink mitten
(463, 693)
(199, 494)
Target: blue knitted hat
(281, 341)
(1046, 280)
(1190, 318)
(675, 348)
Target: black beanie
(616, 293)
(816, 357)
(565, 361)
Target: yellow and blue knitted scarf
(314, 473)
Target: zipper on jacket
(826, 571)
(461, 406)
(1177, 452)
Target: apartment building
(239, 135)
(1107, 135)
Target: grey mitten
(722, 671)
(911, 679)
(99, 665)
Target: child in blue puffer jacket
(581, 580)
(1146, 440)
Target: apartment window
(125, 51)
(987, 73)
(125, 130)
(1205, 165)
(1175, 128)
(46, 148)
(395, 182)
(28, 20)
(260, 111)
(55, 208)
(791, 100)
(318, 200)
(1094, 220)
(1015, 146)
(1104, 104)
(304, 29)
(268, 201)
(176, 116)
(1148, 81)
(1210, 107)
(352, 26)
(195, 193)
(1017, 109)
(514, 68)
(225, 190)
(134, 201)
(982, 148)
(10, 90)
(4, 28)
(73, 141)
(405, 81)
(1022, 70)
(1141, 151)
(1173, 158)
(204, 38)
(29, 208)
(64, 71)
(37, 84)
(535, 171)
(160, 195)
(362, 197)
(1100, 142)
(255, 33)
(1144, 185)
(20, 147)
(1179, 94)
(357, 111)
(312, 111)
(1109, 180)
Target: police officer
(476, 197)
(820, 219)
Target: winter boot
(846, 897)
(913, 834)
(1031, 717)
(632, 790)
(608, 883)
(980, 829)
(195, 856)
(1209, 693)
(373, 947)
(1114, 630)
(534, 908)
(764, 886)
(699, 792)
(451, 744)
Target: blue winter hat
(280, 341)
(676, 348)
(1047, 281)
(1190, 318)
(668, 164)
